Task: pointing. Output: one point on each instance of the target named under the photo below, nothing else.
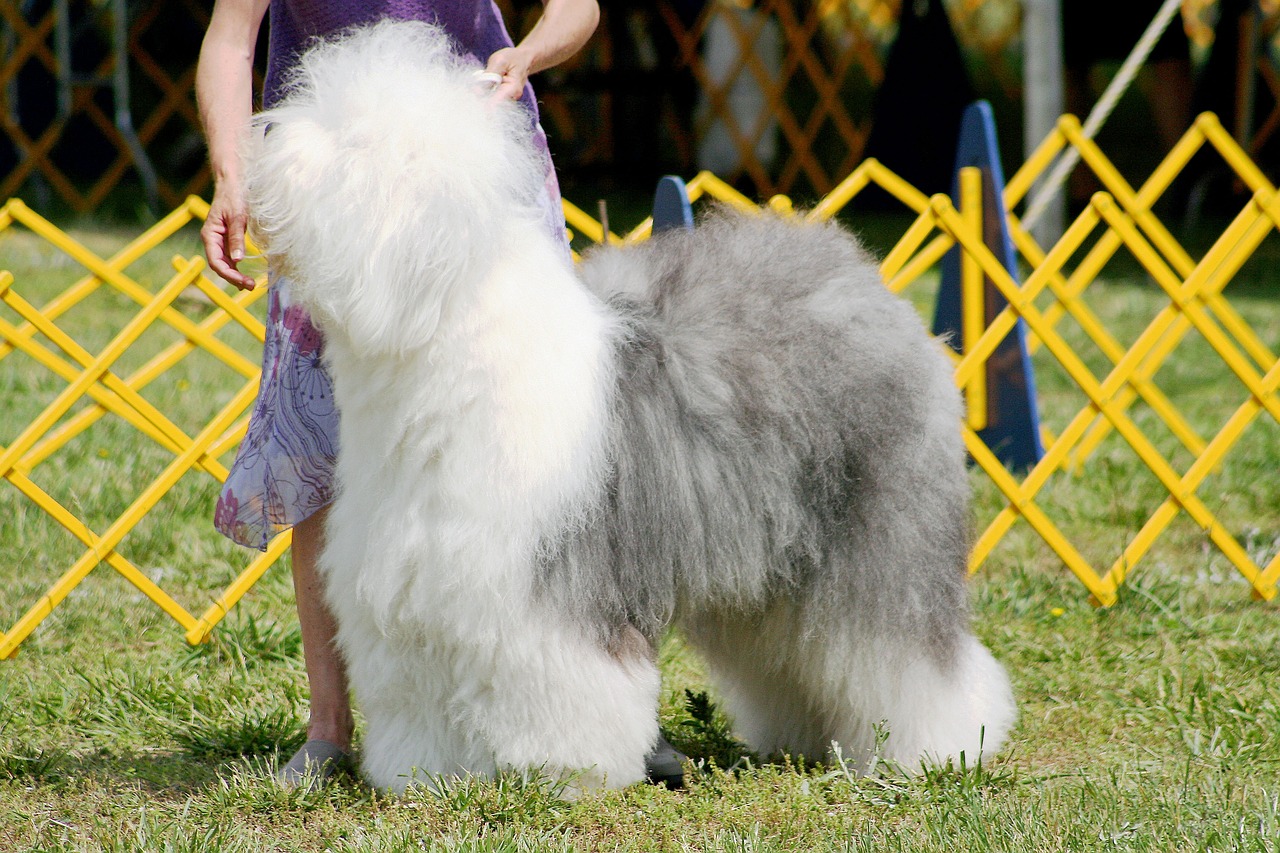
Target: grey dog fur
(772, 435)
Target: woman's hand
(513, 65)
(223, 233)
(224, 80)
(562, 29)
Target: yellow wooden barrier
(92, 377)
(1052, 295)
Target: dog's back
(777, 410)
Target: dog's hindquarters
(872, 637)
(791, 465)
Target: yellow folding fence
(1119, 406)
(94, 389)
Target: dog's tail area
(379, 181)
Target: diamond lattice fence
(61, 134)
(59, 111)
(133, 393)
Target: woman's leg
(331, 724)
(331, 718)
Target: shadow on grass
(232, 757)
(254, 733)
(210, 750)
(705, 735)
(167, 772)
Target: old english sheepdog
(738, 431)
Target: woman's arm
(224, 93)
(561, 31)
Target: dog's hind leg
(757, 667)
(933, 709)
(791, 688)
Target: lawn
(1150, 725)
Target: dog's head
(379, 185)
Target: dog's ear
(381, 183)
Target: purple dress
(283, 471)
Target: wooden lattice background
(642, 98)
(60, 123)
(639, 97)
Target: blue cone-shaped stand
(671, 205)
(1013, 419)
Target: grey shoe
(312, 765)
(665, 765)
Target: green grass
(1148, 726)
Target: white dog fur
(736, 430)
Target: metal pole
(124, 116)
(1042, 97)
(62, 50)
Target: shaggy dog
(736, 430)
